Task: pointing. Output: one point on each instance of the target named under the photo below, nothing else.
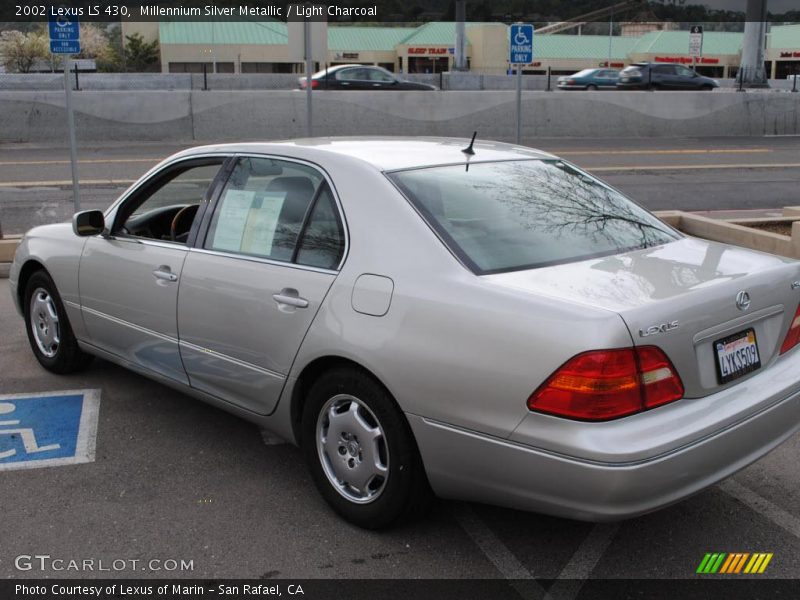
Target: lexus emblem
(742, 300)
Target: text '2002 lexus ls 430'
(485, 322)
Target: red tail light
(608, 384)
(314, 84)
(570, 82)
(793, 335)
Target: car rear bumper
(471, 466)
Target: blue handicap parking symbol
(50, 429)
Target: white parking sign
(696, 40)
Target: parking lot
(175, 480)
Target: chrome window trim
(132, 239)
(259, 259)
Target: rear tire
(49, 331)
(591, 88)
(361, 452)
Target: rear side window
(514, 215)
(322, 241)
(262, 210)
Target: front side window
(379, 75)
(352, 75)
(278, 210)
(166, 209)
(684, 72)
(507, 216)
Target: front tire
(360, 450)
(49, 332)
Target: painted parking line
(781, 518)
(498, 553)
(48, 429)
(580, 566)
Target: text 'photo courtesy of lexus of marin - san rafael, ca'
(431, 317)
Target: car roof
(384, 153)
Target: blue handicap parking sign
(520, 47)
(49, 429)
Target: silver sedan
(487, 323)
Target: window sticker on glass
(261, 224)
(247, 221)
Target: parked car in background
(491, 321)
(663, 76)
(590, 79)
(360, 77)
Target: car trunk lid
(682, 297)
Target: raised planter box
(750, 233)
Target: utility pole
(751, 71)
(461, 42)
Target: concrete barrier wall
(236, 115)
(274, 81)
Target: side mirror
(88, 222)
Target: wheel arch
(30, 267)
(313, 371)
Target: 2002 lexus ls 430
(488, 322)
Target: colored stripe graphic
(733, 563)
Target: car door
(686, 78)
(381, 80)
(129, 278)
(251, 287)
(352, 78)
(664, 76)
(607, 79)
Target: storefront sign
(346, 56)
(687, 60)
(614, 65)
(790, 54)
(428, 51)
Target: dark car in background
(360, 77)
(590, 79)
(663, 76)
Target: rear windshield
(507, 216)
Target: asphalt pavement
(174, 479)
(661, 174)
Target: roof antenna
(468, 150)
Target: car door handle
(290, 297)
(164, 273)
